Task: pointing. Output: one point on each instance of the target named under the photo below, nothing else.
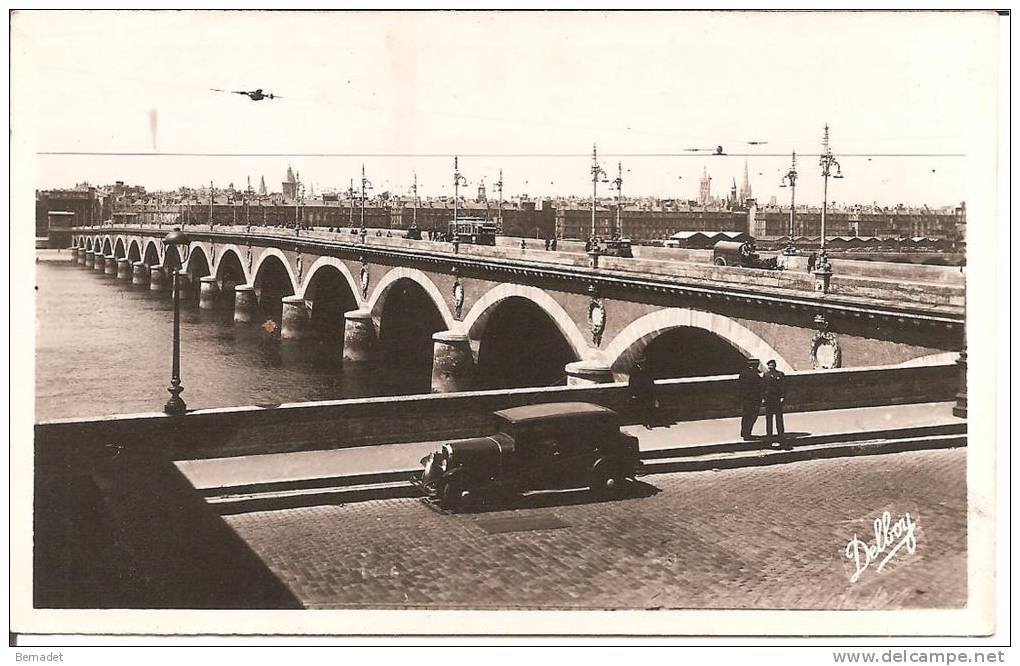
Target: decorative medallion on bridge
(596, 316)
(212, 255)
(249, 258)
(364, 278)
(300, 264)
(825, 351)
(458, 298)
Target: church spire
(745, 185)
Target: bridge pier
(74, 253)
(184, 284)
(244, 303)
(157, 279)
(209, 291)
(88, 259)
(139, 273)
(111, 265)
(124, 269)
(588, 372)
(99, 265)
(452, 362)
(359, 335)
(295, 318)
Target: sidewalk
(372, 460)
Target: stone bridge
(530, 317)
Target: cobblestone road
(770, 537)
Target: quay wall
(224, 432)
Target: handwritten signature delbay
(890, 537)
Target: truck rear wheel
(719, 261)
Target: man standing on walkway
(774, 393)
(642, 391)
(750, 388)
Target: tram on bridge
(473, 230)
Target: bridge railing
(931, 285)
(234, 431)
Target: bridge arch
(632, 341)
(378, 299)
(522, 337)
(329, 291)
(107, 247)
(88, 243)
(151, 256)
(198, 263)
(134, 253)
(229, 254)
(271, 254)
(477, 317)
(229, 270)
(118, 249)
(322, 264)
(272, 279)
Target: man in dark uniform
(749, 386)
(642, 391)
(774, 393)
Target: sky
(528, 93)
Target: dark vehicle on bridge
(413, 233)
(473, 230)
(550, 446)
(745, 255)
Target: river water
(103, 347)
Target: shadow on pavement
(555, 498)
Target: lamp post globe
(175, 406)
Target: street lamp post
(499, 212)
(365, 184)
(299, 195)
(790, 179)
(458, 180)
(826, 161)
(414, 213)
(350, 206)
(176, 239)
(210, 205)
(618, 186)
(596, 173)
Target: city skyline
(404, 86)
(720, 189)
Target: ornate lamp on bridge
(597, 175)
(823, 270)
(790, 180)
(458, 181)
(176, 245)
(366, 184)
(826, 161)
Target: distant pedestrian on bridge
(774, 394)
(642, 391)
(750, 388)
